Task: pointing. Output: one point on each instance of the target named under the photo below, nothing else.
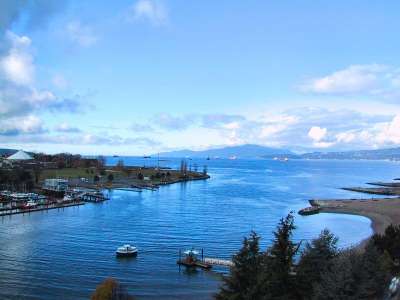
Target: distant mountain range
(257, 151)
(243, 151)
(391, 154)
(249, 151)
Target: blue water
(64, 254)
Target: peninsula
(381, 211)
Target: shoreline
(380, 211)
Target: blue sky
(135, 77)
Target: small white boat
(191, 252)
(68, 198)
(30, 204)
(126, 251)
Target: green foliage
(340, 281)
(241, 284)
(374, 273)
(277, 279)
(316, 259)
(16, 179)
(390, 242)
(355, 275)
(323, 272)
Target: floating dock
(93, 197)
(15, 211)
(191, 259)
(218, 262)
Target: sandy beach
(382, 212)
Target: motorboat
(126, 251)
(30, 204)
(68, 198)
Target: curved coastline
(382, 212)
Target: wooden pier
(218, 262)
(132, 189)
(191, 259)
(15, 211)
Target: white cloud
(21, 125)
(148, 10)
(80, 34)
(353, 79)
(304, 128)
(20, 99)
(390, 132)
(17, 65)
(345, 137)
(317, 133)
(65, 127)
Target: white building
(55, 185)
(20, 156)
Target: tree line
(316, 270)
(67, 160)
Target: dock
(132, 189)
(93, 197)
(191, 259)
(15, 211)
(218, 262)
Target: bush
(110, 289)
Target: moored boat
(190, 259)
(29, 204)
(126, 251)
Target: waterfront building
(56, 185)
(20, 156)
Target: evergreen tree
(390, 242)
(277, 279)
(374, 273)
(339, 283)
(241, 284)
(316, 258)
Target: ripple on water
(68, 252)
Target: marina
(17, 203)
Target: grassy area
(67, 173)
(125, 176)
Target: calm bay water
(64, 254)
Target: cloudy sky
(141, 76)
